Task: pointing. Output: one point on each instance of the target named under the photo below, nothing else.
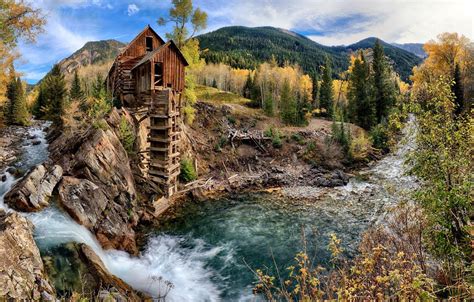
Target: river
(207, 250)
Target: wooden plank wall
(138, 46)
(173, 68)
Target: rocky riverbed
(13, 139)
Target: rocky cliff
(90, 176)
(22, 274)
(98, 188)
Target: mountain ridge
(415, 48)
(92, 53)
(246, 47)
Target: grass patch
(217, 96)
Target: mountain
(92, 53)
(92, 59)
(403, 61)
(245, 47)
(414, 48)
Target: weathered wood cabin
(148, 77)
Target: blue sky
(71, 23)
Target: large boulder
(87, 204)
(76, 268)
(99, 189)
(82, 199)
(22, 275)
(32, 193)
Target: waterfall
(162, 259)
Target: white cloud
(61, 37)
(391, 20)
(132, 9)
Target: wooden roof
(137, 36)
(150, 55)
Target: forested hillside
(403, 61)
(244, 47)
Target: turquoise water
(248, 232)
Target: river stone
(104, 277)
(111, 295)
(33, 192)
(21, 268)
(82, 199)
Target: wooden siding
(137, 47)
(173, 68)
(143, 79)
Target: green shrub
(97, 108)
(343, 137)
(360, 146)
(127, 137)
(100, 124)
(188, 173)
(231, 119)
(297, 138)
(276, 142)
(220, 144)
(380, 137)
(275, 135)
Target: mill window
(149, 43)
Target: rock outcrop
(21, 268)
(98, 189)
(33, 192)
(82, 199)
(105, 278)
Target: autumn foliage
(18, 20)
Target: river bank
(211, 236)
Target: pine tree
(76, 93)
(268, 106)
(20, 110)
(384, 88)
(99, 90)
(40, 103)
(54, 94)
(288, 110)
(302, 106)
(255, 93)
(315, 91)
(12, 95)
(16, 109)
(361, 106)
(247, 93)
(326, 93)
(458, 91)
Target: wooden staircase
(164, 134)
